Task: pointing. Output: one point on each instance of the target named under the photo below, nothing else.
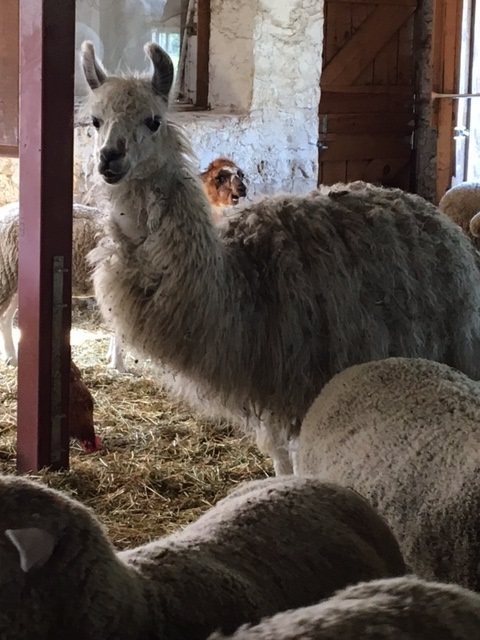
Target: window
(467, 130)
(119, 28)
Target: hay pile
(161, 466)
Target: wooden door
(367, 92)
(9, 77)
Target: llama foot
(115, 356)
(282, 464)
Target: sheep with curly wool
(393, 609)
(88, 224)
(272, 545)
(260, 312)
(461, 203)
(405, 433)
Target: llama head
(129, 115)
(224, 182)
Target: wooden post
(47, 41)
(203, 52)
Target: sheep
(474, 227)
(258, 313)
(405, 433)
(272, 545)
(461, 203)
(88, 224)
(393, 609)
(224, 185)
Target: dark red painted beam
(47, 42)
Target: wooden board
(367, 92)
(9, 77)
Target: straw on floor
(161, 465)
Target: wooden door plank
(339, 102)
(385, 65)
(405, 60)
(337, 29)
(400, 123)
(379, 171)
(409, 3)
(360, 50)
(9, 77)
(365, 147)
(360, 12)
(332, 172)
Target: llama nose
(240, 187)
(110, 154)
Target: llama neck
(174, 263)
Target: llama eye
(96, 122)
(152, 123)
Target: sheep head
(35, 521)
(57, 566)
(129, 115)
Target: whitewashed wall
(265, 64)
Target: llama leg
(272, 439)
(293, 453)
(6, 331)
(115, 355)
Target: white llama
(259, 313)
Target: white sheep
(258, 314)
(461, 203)
(273, 545)
(393, 609)
(88, 228)
(405, 433)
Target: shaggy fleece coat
(273, 545)
(405, 433)
(260, 313)
(395, 609)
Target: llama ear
(162, 78)
(95, 74)
(34, 546)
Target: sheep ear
(162, 78)
(94, 73)
(34, 546)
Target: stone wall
(265, 64)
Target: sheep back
(404, 433)
(274, 545)
(396, 609)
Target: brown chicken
(81, 412)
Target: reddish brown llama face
(224, 183)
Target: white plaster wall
(265, 64)
(232, 66)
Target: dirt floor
(160, 466)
